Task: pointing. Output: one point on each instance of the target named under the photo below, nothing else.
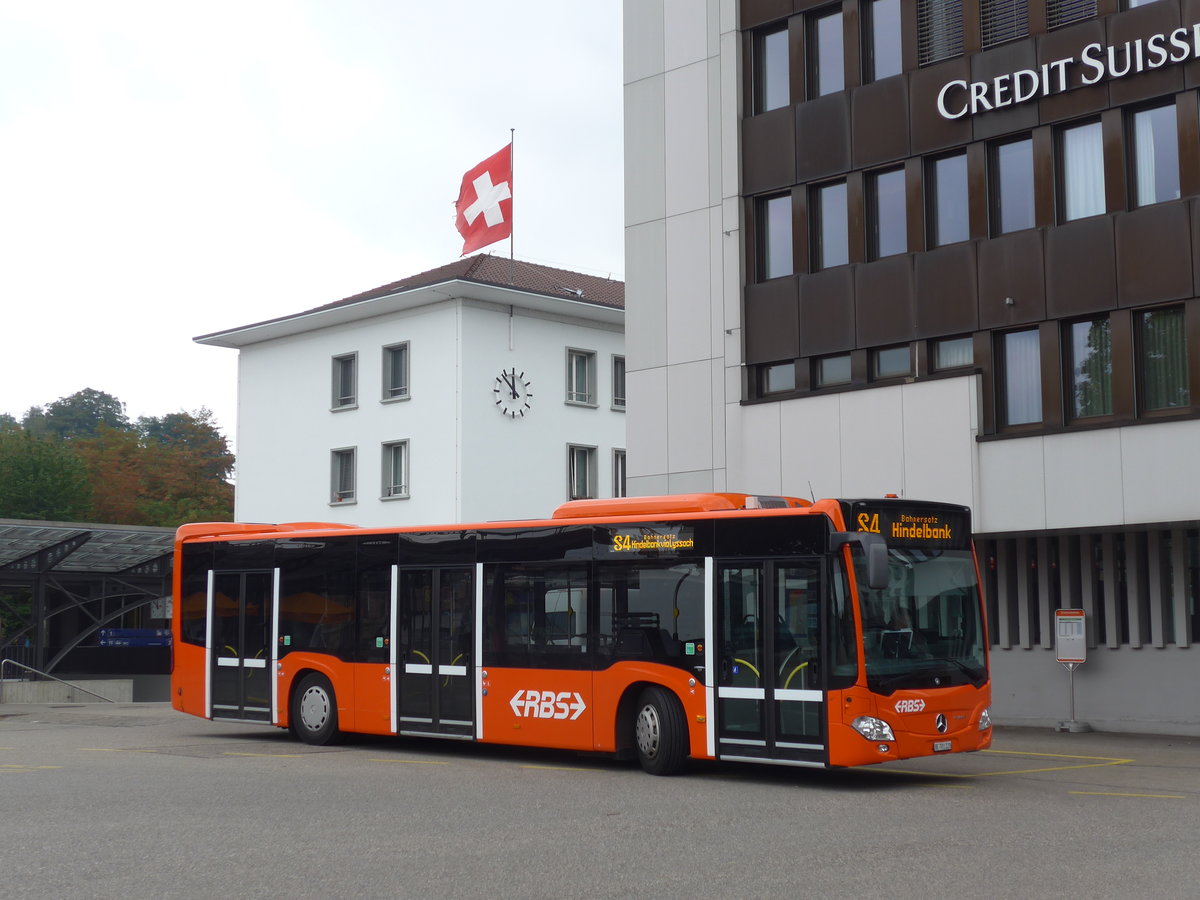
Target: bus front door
(769, 699)
(240, 607)
(434, 611)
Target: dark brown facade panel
(880, 122)
(1052, 393)
(827, 312)
(947, 297)
(884, 302)
(1081, 268)
(823, 137)
(1192, 326)
(1079, 99)
(1116, 187)
(929, 132)
(1123, 404)
(1012, 280)
(769, 151)
(1194, 215)
(1045, 164)
(1191, 70)
(1139, 24)
(1187, 117)
(772, 321)
(914, 199)
(1154, 254)
(759, 12)
(1003, 60)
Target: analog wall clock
(513, 393)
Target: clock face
(513, 393)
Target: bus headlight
(985, 719)
(873, 729)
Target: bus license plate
(941, 746)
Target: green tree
(79, 415)
(195, 432)
(41, 478)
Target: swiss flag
(483, 213)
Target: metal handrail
(4, 662)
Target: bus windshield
(925, 629)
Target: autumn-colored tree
(78, 416)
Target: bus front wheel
(660, 732)
(313, 716)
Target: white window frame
(619, 483)
(391, 391)
(618, 384)
(338, 494)
(389, 489)
(587, 396)
(337, 400)
(586, 454)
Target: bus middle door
(769, 699)
(434, 615)
(240, 681)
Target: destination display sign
(657, 540)
(922, 525)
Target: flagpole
(512, 230)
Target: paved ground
(136, 801)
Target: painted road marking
(415, 762)
(1093, 762)
(1116, 794)
(268, 755)
(115, 750)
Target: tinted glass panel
(1022, 378)
(832, 226)
(1155, 155)
(948, 200)
(952, 353)
(892, 362)
(773, 76)
(776, 226)
(828, 65)
(885, 56)
(833, 370)
(888, 211)
(1164, 359)
(1091, 368)
(1013, 186)
(1083, 171)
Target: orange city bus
(710, 626)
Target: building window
(771, 70)
(883, 56)
(581, 475)
(887, 210)
(1132, 4)
(1090, 356)
(1022, 377)
(395, 372)
(953, 353)
(777, 379)
(939, 30)
(1162, 345)
(775, 237)
(1012, 186)
(1064, 12)
(619, 473)
(1155, 155)
(345, 381)
(618, 382)
(581, 377)
(342, 487)
(395, 470)
(832, 370)
(947, 186)
(831, 227)
(891, 362)
(1082, 181)
(1002, 20)
(827, 62)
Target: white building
(802, 321)
(485, 389)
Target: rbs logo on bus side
(547, 705)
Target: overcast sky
(169, 170)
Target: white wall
(467, 461)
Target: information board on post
(1070, 633)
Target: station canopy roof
(31, 546)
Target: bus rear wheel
(313, 717)
(659, 732)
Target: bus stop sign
(1070, 636)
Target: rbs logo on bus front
(547, 705)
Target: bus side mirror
(874, 548)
